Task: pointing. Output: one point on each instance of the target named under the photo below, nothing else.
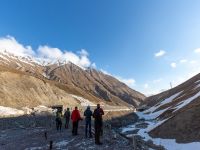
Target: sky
(143, 43)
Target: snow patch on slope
(165, 101)
(185, 102)
(7, 111)
(83, 101)
(150, 119)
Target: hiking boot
(98, 143)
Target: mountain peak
(89, 80)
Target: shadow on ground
(28, 133)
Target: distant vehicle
(57, 107)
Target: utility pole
(171, 85)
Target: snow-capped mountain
(86, 82)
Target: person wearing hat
(88, 115)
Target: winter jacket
(59, 116)
(88, 114)
(67, 114)
(98, 112)
(75, 116)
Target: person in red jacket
(75, 117)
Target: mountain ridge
(87, 82)
(178, 110)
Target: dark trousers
(75, 128)
(58, 124)
(98, 131)
(88, 124)
(67, 123)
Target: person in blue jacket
(88, 115)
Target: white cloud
(193, 62)
(146, 85)
(188, 66)
(180, 79)
(128, 81)
(151, 87)
(48, 52)
(160, 53)
(183, 60)
(81, 59)
(83, 52)
(10, 44)
(105, 72)
(197, 50)
(93, 65)
(173, 65)
(157, 80)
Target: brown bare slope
(182, 124)
(96, 83)
(20, 90)
(89, 83)
(116, 88)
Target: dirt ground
(28, 133)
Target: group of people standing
(76, 117)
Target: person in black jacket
(67, 115)
(98, 123)
(88, 115)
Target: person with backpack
(98, 123)
(75, 117)
(67, 118)
(59, 120)
(88, 115)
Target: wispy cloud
(193, 62)
(105, 72)
(173, 65)
(128, 81)
(160, 53)
(197, 50)
(183, 60)
(146, 85)
(157, 80)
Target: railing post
(134, 143)
(45, 135)
(51, 145)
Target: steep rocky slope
(19, 90)
(177, 111)
(23, 76)
(94, 82)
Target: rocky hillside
(20, 90)
(31, 81)
(177, 112)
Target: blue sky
(147, 44)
